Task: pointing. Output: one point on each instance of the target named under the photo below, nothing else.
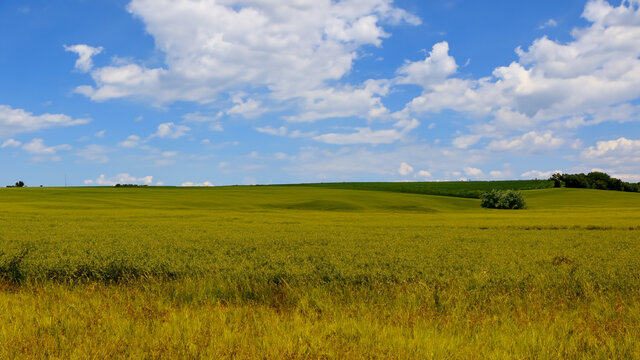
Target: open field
(466, 189)
(311, 272)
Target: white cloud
(197, 117)
(10, 143)
(464, 141)
(37, 147)
(96, 154)
(192, 184)
(340, 102)
(471, 171)
(170, 130)
(633, 178)
(423, 174)
(100, 134)
(532, 141)
(248, 108)
(213, 46)
(281, 131)
(433, 70)
(15, 121)
(548, 24)
(405, 169)
(568, 84)
(85, 55)
(613, 148)
(131, 141)
(535, 174)
(123, 178)
(366, 135)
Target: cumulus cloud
(85, 55)
(619, 147)
(433, 70)
(170, 130)
(340, 102)
(217, 46)
(552, 82)
(423, 174)
(248, 108)
(37, 147)
(366, 135)
(131, 141)
(10, 143)
(532, 141)
(16, 121)
(405, 169)
(123, 178)
(471, 171)
(621, 155)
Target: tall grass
(304, 272)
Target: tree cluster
(129, 185)
(503, 199)
(593, 180)
(17, 184)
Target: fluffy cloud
(423, 174)
(123, 178)
(37, 147)
(532, 141)
(248, 108)
(561, 84)
(433, 70)
(613, 148)
(214, 46)
(170, 130)
(362, 101)
(405, 169)
(366, 135)
(471, 171)
(10, 143)
(131, 141)
(15, 121)
(85, 55)
(617, 156)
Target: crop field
(318, 272)
(467, 189)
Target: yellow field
(301, 272)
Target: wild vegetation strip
(307, 272)
(466, 189)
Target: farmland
(318, 271)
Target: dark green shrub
(502, 199)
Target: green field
(318, 272)
(466, 189)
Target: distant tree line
(17, 184)
(129, 185)
(593, 180)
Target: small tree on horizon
(20, 184)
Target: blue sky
(217, 92)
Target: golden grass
(305, 273)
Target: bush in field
(503, 199)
